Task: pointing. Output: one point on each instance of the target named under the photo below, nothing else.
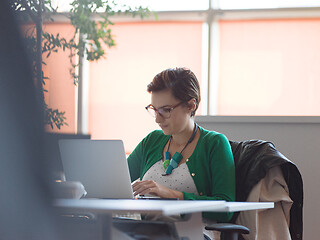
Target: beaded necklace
(170, 164)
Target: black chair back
(253, 159)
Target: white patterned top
(180, 178)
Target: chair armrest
(228, 227)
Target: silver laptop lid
(100, 165)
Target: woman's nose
(158, 118)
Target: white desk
(245, 206)
(165, 207)
(105, 207)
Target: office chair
(253, 159)
(229, 231)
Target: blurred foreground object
(25, 202)
(69, 189)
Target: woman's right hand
(153, 188)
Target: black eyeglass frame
(170, 108)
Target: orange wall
(269, 67)
(61, 90)
(118, 83)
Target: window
(269, 67)
(118, 83)
(253, 4)
(169, 5)
(251, 60)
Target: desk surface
(165, 207)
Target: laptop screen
(100, 165)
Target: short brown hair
(181, 81)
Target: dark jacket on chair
(253, 159)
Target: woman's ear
(192, 104)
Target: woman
(201, 166)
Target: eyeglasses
(164, 112)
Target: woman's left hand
(153, 188)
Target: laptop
(100, 165)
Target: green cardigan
(211, 166)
